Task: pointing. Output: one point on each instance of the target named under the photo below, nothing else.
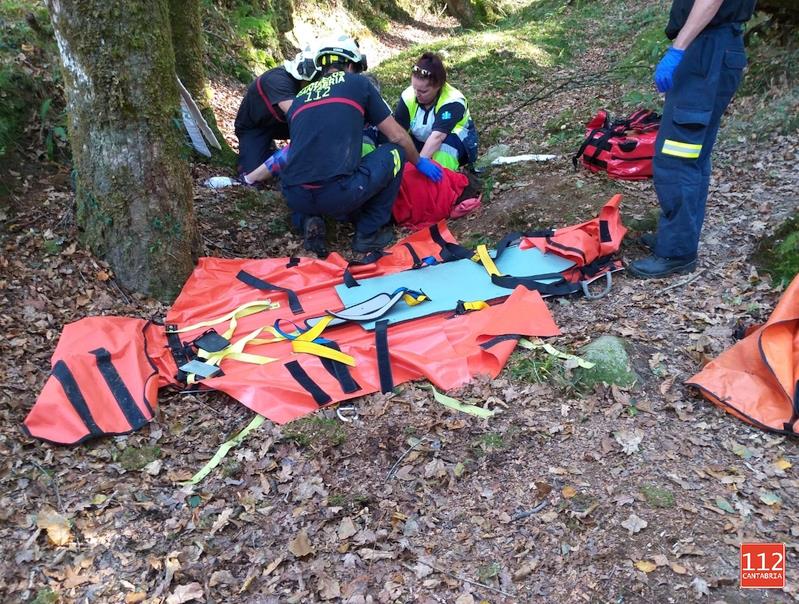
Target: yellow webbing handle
(487, 261)
(250, 308)
(413, 301)
(476, 305)
(322, 351)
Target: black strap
(303, 379)
(417, 262)
(292, 262)
(369, 258)
(252, 281)
(449, 251)
(179, 352)
(64, 376)
(588, 141)
(383, 359)
(534, 283)
(795, 412)
(604, 232)
(567, 248)
(124, 399)
(340, 371)
(595, 267)
(499, 339)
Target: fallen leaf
(346, 528)
(700, 586)
(634, 524)
(629, 440)
(300, 546)
(99, 499)
(770, 497)
(660, 560)
(135, 597)
(645, 566)
(153, 468)
(782, 464)
(405, 473)
(272, 566)
(222, 520)
(723, 504)
(56, 525)
(329, 588)
(465, 599)
(741, 451)
(221, 577)
(568, 492)
(436, 468)
(186, 593)
(678, 568)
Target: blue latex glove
(429, 169)
(664, 72)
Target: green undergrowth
(26, 41)
(529, 56)
(771, 83)
(245, 37)
(778, 254)
(316, 432)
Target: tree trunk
(134, 193)
(189, 44)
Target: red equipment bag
(624, 148)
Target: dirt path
(412, 503)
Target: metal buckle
(347, 413)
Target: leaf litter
(291, 519)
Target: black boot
(314, 235)
(374, 242)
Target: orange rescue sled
(757, 380)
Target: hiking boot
(654, 267)
(314, 235)
(374, 242)
(648, 240)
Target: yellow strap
(535, 344)
(476, 305)
(250, 308)
(411, 301)
(224, 448)
(246, 357)
(322, 351)
(315, 331)
(487, 261)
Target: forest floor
(548, 501)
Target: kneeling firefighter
(325, 174)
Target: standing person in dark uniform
(325, 174)
(699, 73)
(262, 115)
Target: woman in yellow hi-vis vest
(436, 115)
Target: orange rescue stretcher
(265, 332)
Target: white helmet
(341, 48)
(302, 66)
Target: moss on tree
(134, 194)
